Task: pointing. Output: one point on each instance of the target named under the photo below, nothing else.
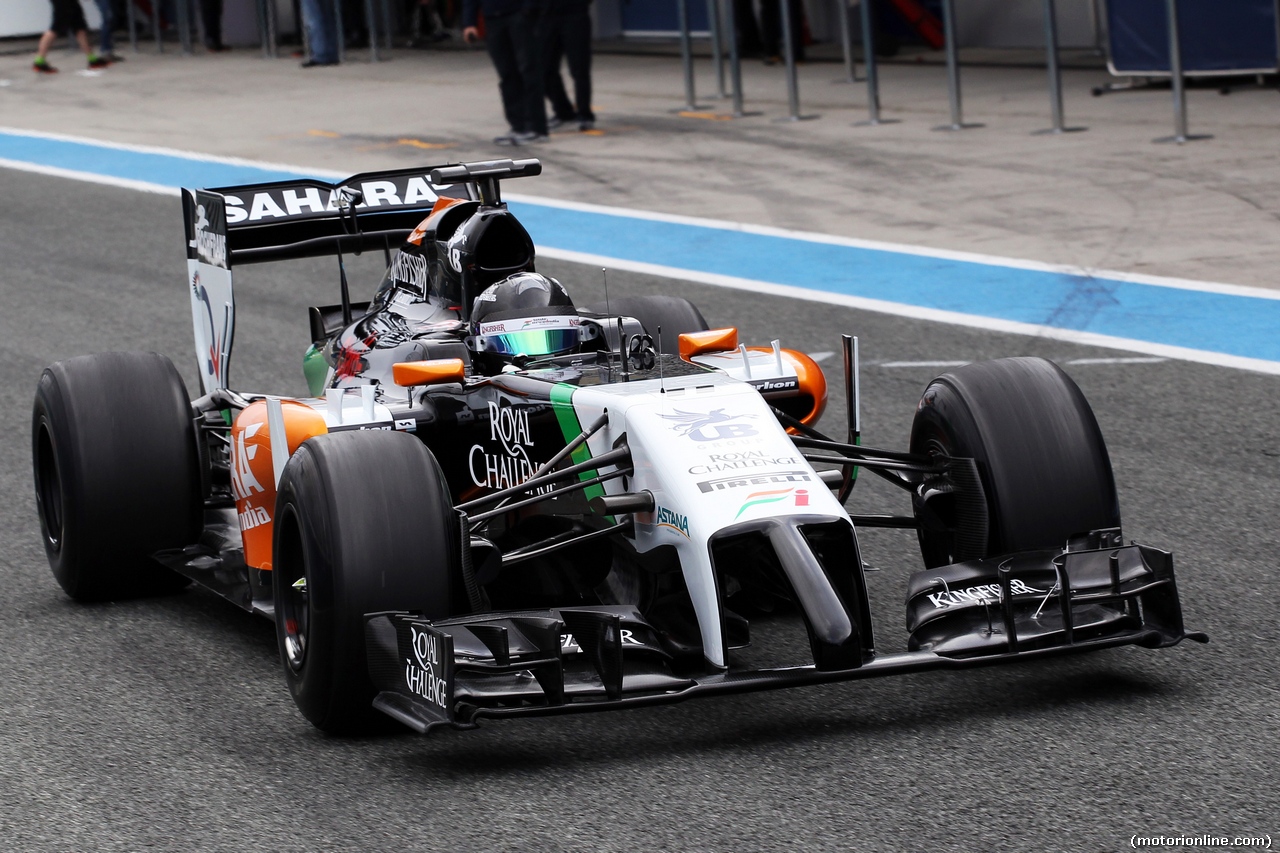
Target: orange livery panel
(808, 405)
(253, 474)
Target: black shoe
(311, 63)
(589, 124)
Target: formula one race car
(496, 503)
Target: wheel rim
(295, 624)
(294, 600)
(49, 491)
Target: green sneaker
(42, 66)
(96, 61)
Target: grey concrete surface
(1104, 199)
(165, 724)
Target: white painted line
(917, 313)
(922, 363)
(1137, 360)
(821, 356)
(725, 225)
(90, 177)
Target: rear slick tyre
(363, 523)
(1040, 457)
(116, 473)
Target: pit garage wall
(979, 23)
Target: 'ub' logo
(710, 426)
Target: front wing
(574, 660)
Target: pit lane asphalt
(165, 724)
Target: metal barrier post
(155, 27)
(789, 53)
(132, 15)
(371, 24)
(846, 43)
(385, 8)
(953, 69)
(273, 29)
(735, 68)
(717, 45)
(1180, 134)
(337, 28)
(184, 25)
(1055, 73)
(260, 11)
(869, 60)
(686, 58)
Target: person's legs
(576, 32)
(795, 9)
(41, 63)
(529, 59)
(105, 43)
(744, 15)
(317, 17)
(770, 29)
(500, 39)
(211, 15)
(549, 39)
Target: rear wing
(254, 223)
(307, 217)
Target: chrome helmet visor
(529, 336)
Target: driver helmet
(525, 314)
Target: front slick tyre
(116, 473)
(363, 523)
(1040, 456)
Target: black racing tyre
(1040, 457)
(675, 314)
(113, 448)
(363, 523)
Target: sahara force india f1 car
(495, 503)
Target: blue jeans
(322, 32)
(105, 43)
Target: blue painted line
(1202, 320)
(1236, 325)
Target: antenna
(662, 388)
(604, 276)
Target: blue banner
(1217, 36)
